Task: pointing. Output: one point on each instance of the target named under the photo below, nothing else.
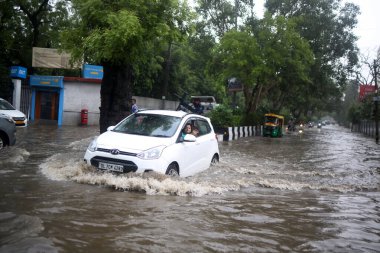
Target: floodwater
(313, 192)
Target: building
(60, 100)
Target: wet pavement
(313, 192)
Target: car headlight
(8, 118)
(93, 145)
(153, 153)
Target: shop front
(47, 99)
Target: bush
(222, 117)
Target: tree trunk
(253, 98)
(257, 98)
(115, 94)
(167, 70)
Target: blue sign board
(47, 81)
(92, 71)
(18, 72)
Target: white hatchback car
(153, 140)
(19, 118)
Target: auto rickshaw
(273, 125)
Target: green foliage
(328, 27)
(123, 31)
(361, 110)
(221, 16)
(26, 24)
(270, 59)
(252, 119)
(223, 116)
(354, 113)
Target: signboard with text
(18, 72)
(92, 71)
(366, 89)
(233, 85)
(51, 58)
(47, 81)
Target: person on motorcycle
(291, 126)
(198, 108)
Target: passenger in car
(188, 129)
(195, 131)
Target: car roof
(180, 114)
(274, 115)
(163, 112)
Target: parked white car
(7, 131)
(153, 140)
(19, 118)
(208, 102)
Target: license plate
(111, 167)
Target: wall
(153, 103)
(81, 93)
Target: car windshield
(4, 105)
(270, 119)
(154, 125)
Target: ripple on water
(20, 233)
(12, 155)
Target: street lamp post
(376, 104)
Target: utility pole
(376, 104)
(236, 13)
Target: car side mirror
(189, 138)
(110, 128)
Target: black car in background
(7, 131)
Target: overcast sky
(368, 28)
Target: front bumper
(129, 161)
(20, 121)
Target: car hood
(129, 142)
(12, 113)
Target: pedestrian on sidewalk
(135, 108)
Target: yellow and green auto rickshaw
(273, 125)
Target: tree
(122, 37)
(29, 23)
(25, 24)
(328, 27)
(264, 59)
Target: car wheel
(172, 170)
(214, 160)
(2, 142)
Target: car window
(203, 126)
(149, 125)
(4, 105)
(271, 120)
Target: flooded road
(315, 192)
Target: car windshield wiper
(159, 135)
(137, 133)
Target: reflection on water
(317, 191)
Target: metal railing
(366, 127)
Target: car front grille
(119, 152)
(18, 118)
(128, 166)
(19, 121)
